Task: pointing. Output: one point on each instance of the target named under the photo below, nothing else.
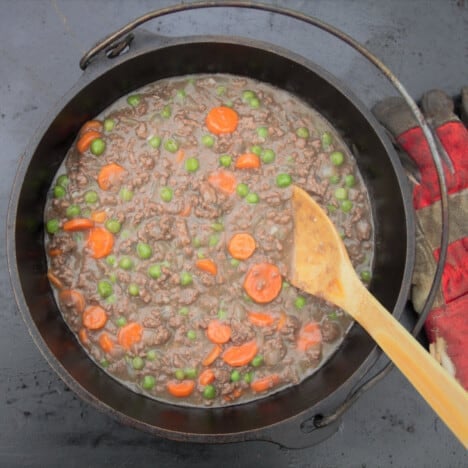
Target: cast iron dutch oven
(288, 416)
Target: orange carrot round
(106, 343)
(78, 224)
(309, 335)
(212, 355)
(207, 265)
(94, 317)
(261, 319)
(180, 389)
(206, 377)
(224, 181)
(241, 246)
(222, 119)
(110, 176)
(86, 139)
(218, 332)
(263, 282)
(100, 242)
(72, 299)
(265, 383)
(237, 356)
(130, 334)
(95, 125)
(248, 161)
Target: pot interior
(315, 87)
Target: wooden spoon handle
(443, 393)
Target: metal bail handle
(109, 44)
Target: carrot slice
(224, 181)
(94, 317)
(281, 321)
(83, 336)
(130, 334)
(180, 155)
(54, 280)
(95, 125)
(100, 242)
(218, 332)
(212, 355)
(263, 282)
(86, 139)
(241, 246)
(72, 299)
(110, 176)
(309, 335)
(186, 210)
(247, 161)
(207, 265)
(237, 356)
(222, 119)
(106, 343)
(206, 377)
(261, 319)
(180, 389)
(55, 252)
(99, 216)
(265, 383)
(78, 224)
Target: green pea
(248, 377)
(155, 142)
(300, 302)
(334, 179)
(252, 198)
(242, 190)
(125, 194)
(91, 197)
(200, 254)
(105, 289)
(254, 103)
(72, 211)
(234, 262)
(262, 132)
(366, 275)
(341, 193)
(98, 146)
(235, 376)
(256, 149)
(138, 363)
(257, 361)
(346, 206)
(181, 94)
(222, 314)
(133, 289)
(113, 226)
(53, 226)
(220, 90)
(267, 156)
(121, 322)
(283, 180)
(109, 125)
(225, 160)
(151, 355)
(196, 242)
(186, 278)
(326, 139)
(191, 373)
(134, 100)
(303, 132)
(350, 180)
(63, 181)
(179, 374)
(166, 194)
(248, 95)
(208, 141)
(191, 164)
(126, 263)
(111, 260)
(337, 158)
(154, 271)
(218, 227)
(209, 392)
(213, 240)
(113, 278)
(171, 145)
(144, 251)
(166, 112)
(285, 285)
(111, 299)
(59, 191)
(184, 311)
(192, 335)
(331, 208)
(332, 316)
(148, 382)
(104, 363)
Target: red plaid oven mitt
(447, 323)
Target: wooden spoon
(321, 266)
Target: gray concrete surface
(42, 424)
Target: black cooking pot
(286, 417)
